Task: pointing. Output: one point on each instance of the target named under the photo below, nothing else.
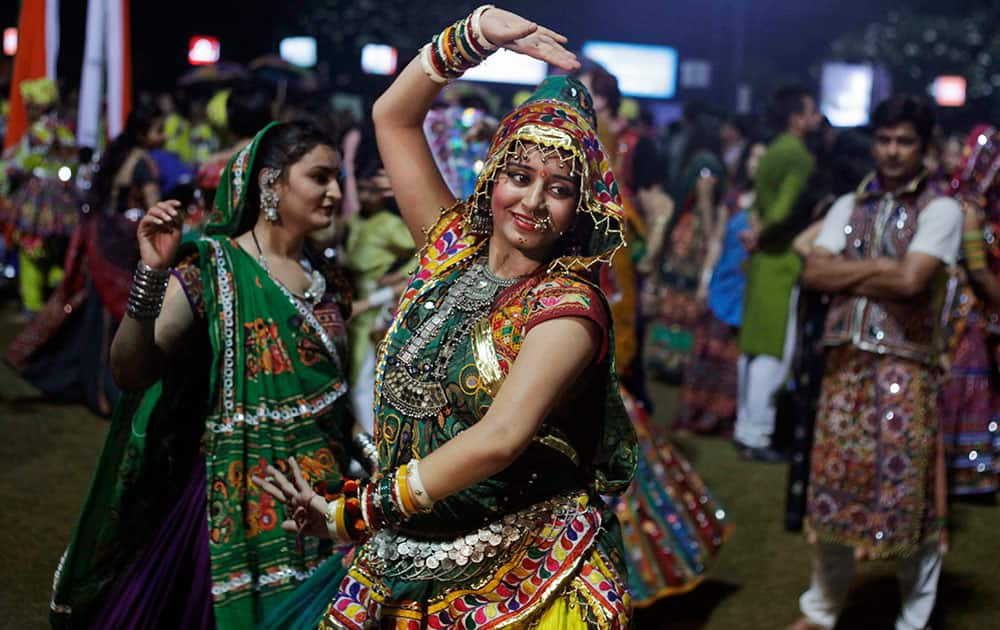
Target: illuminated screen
(10, 41)
(642, 70)
(505, 66)
(379, 59)
(846, 94)
(300, 51)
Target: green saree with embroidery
(173, 532)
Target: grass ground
(47, 454)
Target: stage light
(379, 59)
(10, 41)
(203, 50)
(505, 66)
(641, 70)
(949, 90)
(846, 94)
(300, 51)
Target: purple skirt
(169, 585)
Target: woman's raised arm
(399, 114)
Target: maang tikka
(269, 196)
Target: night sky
(782, 39)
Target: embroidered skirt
(872, 474)
(544, 567)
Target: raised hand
(511, 31)
(159, 234)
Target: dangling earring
(269, 196)
(480, 220)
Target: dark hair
(787, 101)
(906, 108)
(741, 179)
(602, 83)
(248, 110)
(140, 121)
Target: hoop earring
(480, 220)
(269, 196)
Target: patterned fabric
(672, 526)
(710, 388)
(872, 477)
(230, 197)
(906, 328)
(560, 555)
(39, 203)
(270, 371)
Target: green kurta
(774, 267)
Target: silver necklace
(414, 386)
(317, 283)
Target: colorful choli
(263, 384)
(505, 550)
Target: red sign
(203, 50)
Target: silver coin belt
(466, 557)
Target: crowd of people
(393, 372)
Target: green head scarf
(230, 198)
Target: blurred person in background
(841, 169)
(733, 139)
(675, 292)
(970, 402)
(767, 333)
(64, 351)
(41, 200)
(876, 487)
(710, 388)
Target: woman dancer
(229, 360)
(498, 419)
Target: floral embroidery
(265, 350)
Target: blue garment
(725, 292)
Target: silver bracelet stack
(367, 449)
(148, 288)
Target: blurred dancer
(36, 177)
(64, 351)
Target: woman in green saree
(230, 359)
(498, 417)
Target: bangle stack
(394, 498)
(343, 516)
(974, 250)
(149, 286)
(456, 49)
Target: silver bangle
(149, 286)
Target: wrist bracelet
(149, 286)
(477, 31)
(416, 484)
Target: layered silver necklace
(414, 386)
(317, 283)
